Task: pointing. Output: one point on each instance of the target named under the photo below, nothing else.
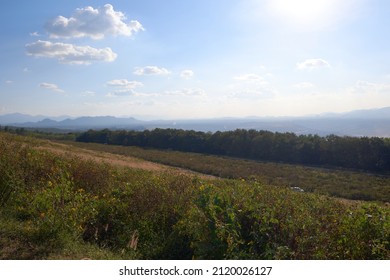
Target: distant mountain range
(23, 118)
(374, 122)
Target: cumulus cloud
(123, 87)
(251, 86)
(93, 23)
(124, 83)
(151, 70)
(313, 63)
(52, 87)
(186, 92)
(35, 34)
(69, 53)
(187, 74)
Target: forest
(370, 154)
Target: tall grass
(339, 183)
(64, 207)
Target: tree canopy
(364, 153)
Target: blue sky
(194, 59)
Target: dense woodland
(364, 153)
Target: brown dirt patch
(114, 159)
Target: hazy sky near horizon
(195, 58)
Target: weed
(64, 207)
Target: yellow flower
(42, 215)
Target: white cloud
(35, 34)
(124, 83)
(116, 94)
(250, 86)
(186, 92)
(9, 82)
(123, 87)
(69, 53)
(187, 74)
(93, 23)
(151, 70)
(52, 87)
(129, 90)
(314, 63)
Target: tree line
(364, 153)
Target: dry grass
(115, 159)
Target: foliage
(370, 154)
(45, 133)
(64, 207)
(340, 183)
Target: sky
(194, 59)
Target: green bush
(66, 207)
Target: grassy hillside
(340, 183)
(60, 206)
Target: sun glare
(307, 14)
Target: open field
(64, 202)
(340, 183)
(115, 159)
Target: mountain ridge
(372, 122)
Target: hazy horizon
(194, 59)
(154, 118)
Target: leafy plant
(62, 206)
